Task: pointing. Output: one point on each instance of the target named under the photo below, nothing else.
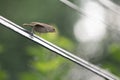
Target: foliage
(46, 62)
(21, 59)
(28, 61)
(112, 60)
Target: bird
(40, 27)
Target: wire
(108, 4)
(7, 23)
(81, 11)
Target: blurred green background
(21, 59)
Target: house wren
(40, 27)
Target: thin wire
(105, 3)
(7, 23)
(81, 11)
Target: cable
(7, 23)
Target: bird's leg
(32, 31)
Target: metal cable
(7, 23)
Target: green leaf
(114, 50)
(48, 65)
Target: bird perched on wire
(40, 27)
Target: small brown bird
(40, 27)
